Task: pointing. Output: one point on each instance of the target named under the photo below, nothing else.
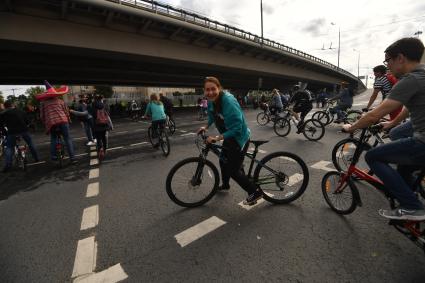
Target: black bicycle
(162, 137)
(312, 129)
(59, 146)
(170, 124)
(327, 115)
(282, 176)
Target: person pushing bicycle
(225, 112)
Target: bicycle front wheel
(192, 182)
(339, 196)
(165, 143)
(282, 176)
(282, 127)
(262, 119)
(322, 116)
(313, 130)
(171, 126)
(343, 152)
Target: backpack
(102, 117)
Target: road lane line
(294, 179)
(113, 274)
(85, 257)
(139, 143)
(188, 134)
(260, 150)
(36, 163)
(114, 148)
(322, 165)
(249, 207)
(93, 154)
(122, 132)
(92, 190)
(182, 131)
(198, 231)
(94, 173)
(94, 162)
(90, 217)
(81, 154)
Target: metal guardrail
(167, 10)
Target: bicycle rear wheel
(282, 176)
(165, 143)
(263, 119)
(282, 127)
(339, 197)
(313, 130)
(192, 182)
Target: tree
(1, 98)
(32, 92)
(104, 90)
(11, 98)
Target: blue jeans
(404, 130)
(88, 127)
(10, 147)
(64, 129)
(339, 110)
(408, 154)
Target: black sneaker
(224, 188)
(252, 198)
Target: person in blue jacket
(155, 109)
(225, 112)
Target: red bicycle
(341, 193)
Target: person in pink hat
(55, 115)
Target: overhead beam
(109, 18)
(145, 26)
(175, 33)
(64, 9)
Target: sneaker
(224, 188)
(252, 198)
(90, 143)
(403, 214)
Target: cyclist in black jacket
(303, 104)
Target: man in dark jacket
(16, 123)
(168, 105)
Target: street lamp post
(419, 32)
(261, 8)
(339, 41)
(358, 64)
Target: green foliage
(31, 93)
(104, 90)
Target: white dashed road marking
(94, 173)
(85, 258)
(92, 190)
(188, 134)
(90, 217)
(94, 162)
(114, 148)
(322, 165)
(198, 231)
(295, 179)
(93, 154)
(139, 143)
(112, 274)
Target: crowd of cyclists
(402, 99)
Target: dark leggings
(101, 140)
(231, 161)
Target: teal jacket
(156, 111)
(234, 119)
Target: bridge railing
(187, 16)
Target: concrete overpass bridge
(144, 43)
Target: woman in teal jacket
(155, 109)
(225, 112)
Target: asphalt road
(62, 224)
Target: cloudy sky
(366, 26)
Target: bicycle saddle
(258, 143)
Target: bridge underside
(27, 63)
